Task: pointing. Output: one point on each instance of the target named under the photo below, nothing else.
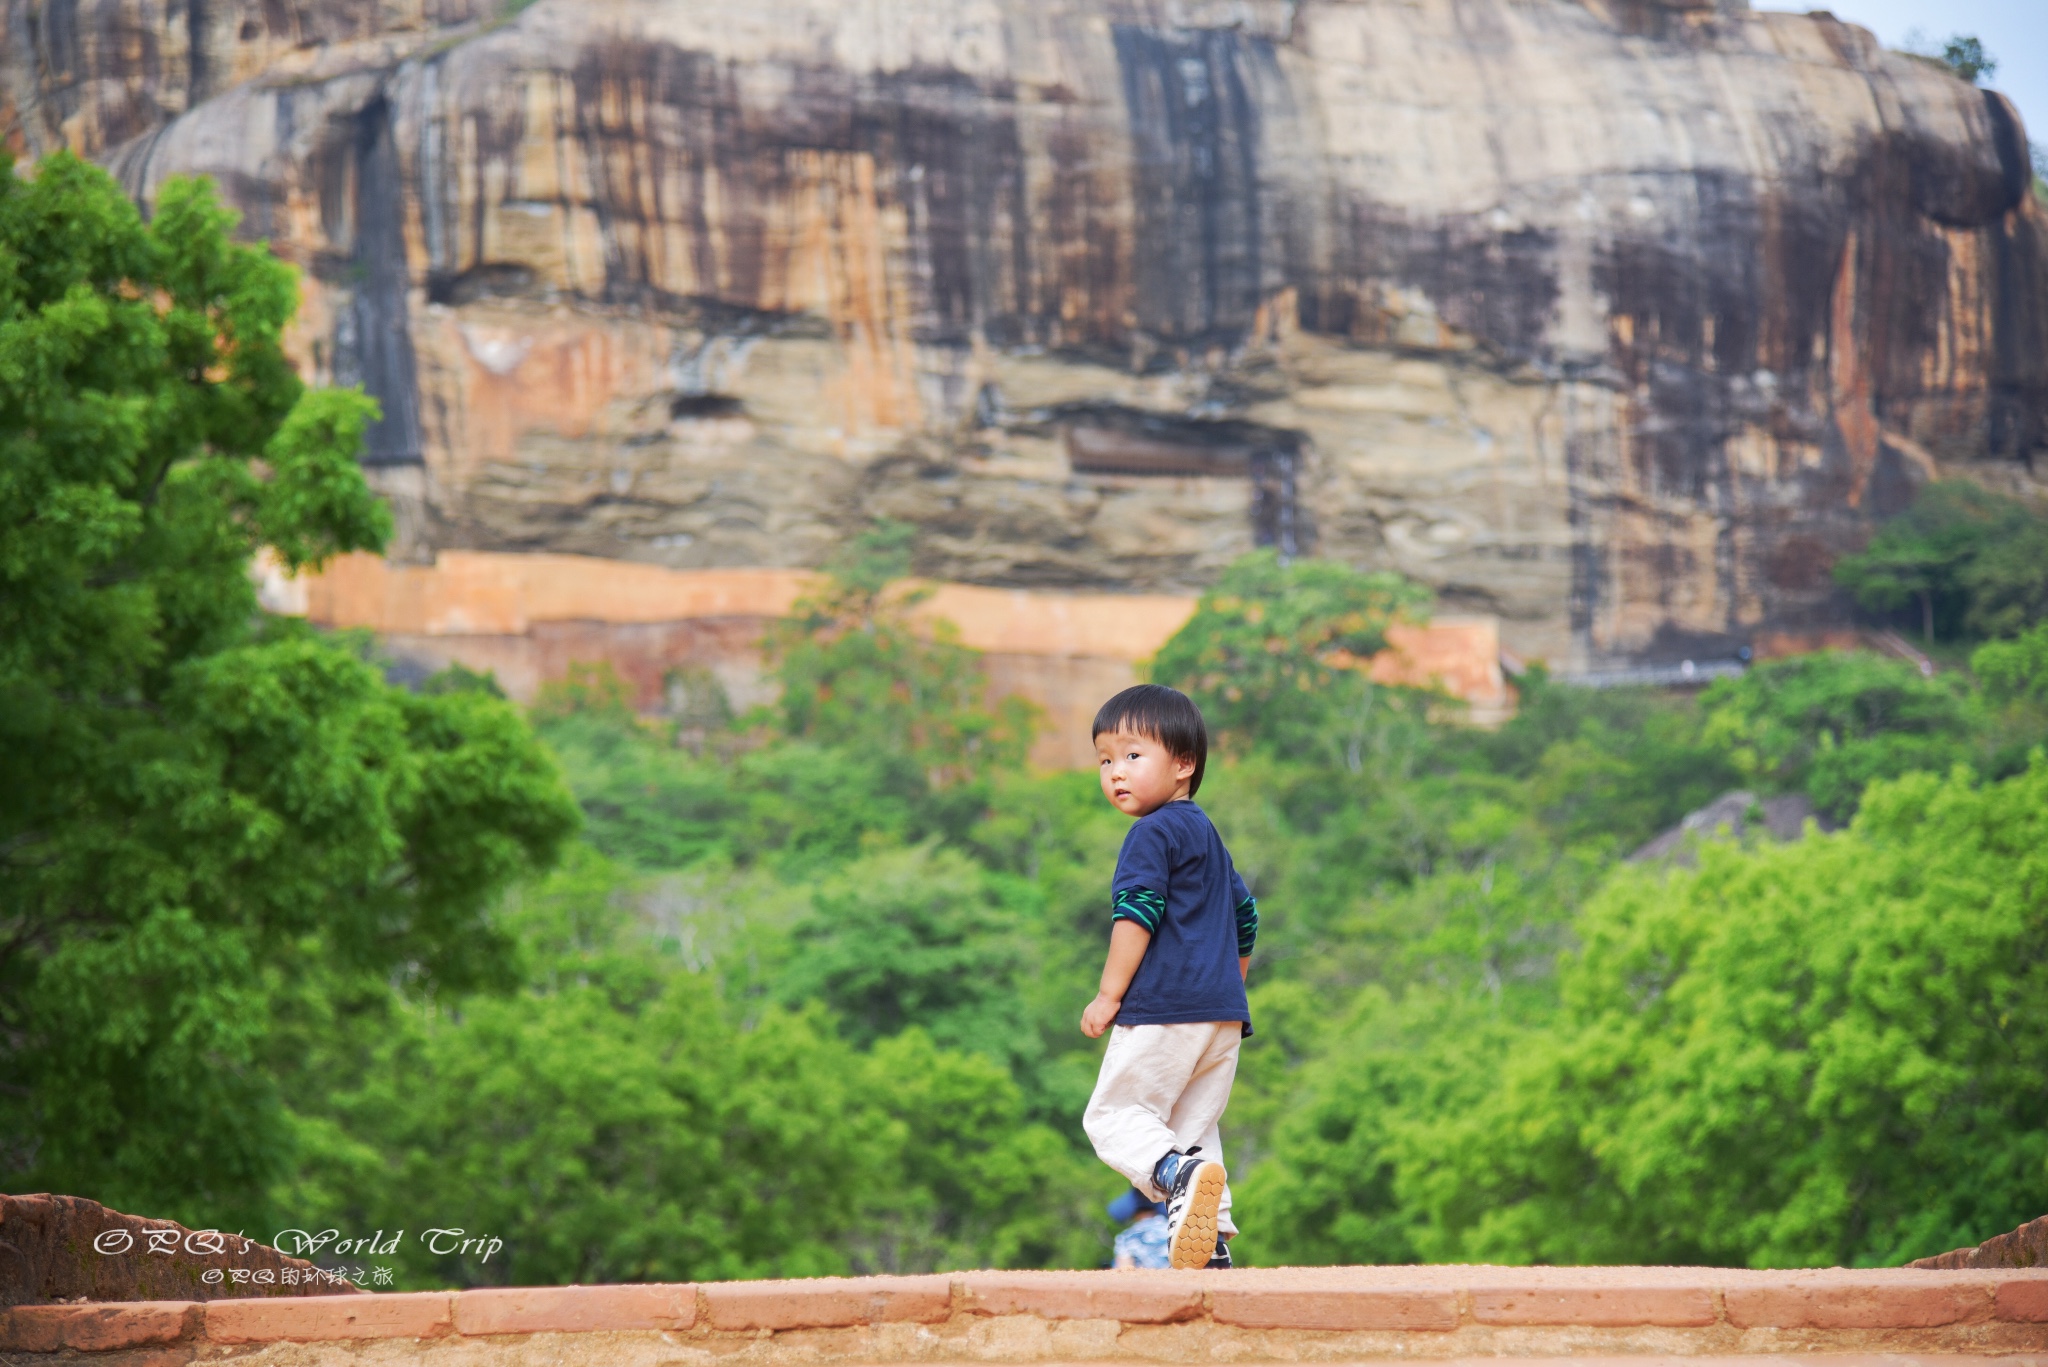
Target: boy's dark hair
(1168, 716)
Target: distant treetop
(1962, 53)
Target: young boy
(1180, 944)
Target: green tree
(643, 801)
(1926, 556)
(856, 673)
(1796, 1055)
(882, 732)
(618, 1120)
(2013, 700)
(1335, 1188)
(1612, 767)
(200, 810)
(1816, 1053)
(2007, 581)
(1964, 54)
(2016, 670)
(911, 936)
(1275, 656)
(1828, 724)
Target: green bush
(619, 1120)
(1800, 1055)
(1829, 724)
(202, 811)
(1970, 561)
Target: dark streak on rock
(373, 341)
(949, 149)
(1084, 286)
(1498, 287)
(1195, 180)
(196, 59)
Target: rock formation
(56, 1249)
(2026, 1246)
(1619, 318)
(1738, 816)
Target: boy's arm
(1247, 931)
(1127, 942)
(1137, 903)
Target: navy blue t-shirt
(1175, 879)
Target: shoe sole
(1194, 1243)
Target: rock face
(2026, 1246)
(1619, 318)
(1737, 815)
(66, 1248)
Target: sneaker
(1191, 1203)
(1222, 1258)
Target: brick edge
(1791, 1301)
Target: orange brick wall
(527, 618)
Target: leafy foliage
(1972, 561)
(880, 735)
(855, 674)
(1275, 651)
(2014, 671)
(909, 936)
(1829, 724)
(1440, 906)
(1964, 54)
(2007, 581)
(1611, 768)
(617, 1120)
(198, 807)
(1800, 1055)
(1804, 1055)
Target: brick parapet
(1247, 1315)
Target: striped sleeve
(1138, 904)
(1247, 925)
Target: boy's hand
(1127, 941)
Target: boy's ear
(1183, 766)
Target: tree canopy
(1964, 54)
(1801, 1055)
(201, 809)
(1970, 561)
(1275, 653)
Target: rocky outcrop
(2026, 1246)
(57, 1249)
(1737, 816)
(1618, 318)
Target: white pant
(1163, 1087)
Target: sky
(2013, 31)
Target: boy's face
(1138, 773)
